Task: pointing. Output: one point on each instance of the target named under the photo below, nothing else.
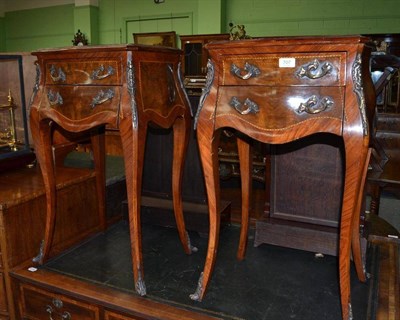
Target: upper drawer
(81, 102)
(285, 69)
(83, 72)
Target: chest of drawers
(82, 90)
(278, 90)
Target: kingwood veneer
(83, 89)
(278, 90)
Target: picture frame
(166, 39)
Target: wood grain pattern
(23, 205)
(114, 304)
(147, 91)
(348, 123)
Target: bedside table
(81, 90)
(278, 90)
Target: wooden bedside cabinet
(82, 90)
(279, 90)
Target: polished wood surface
(280, 119)
(23, 204)
(122, 87)
(83, 297)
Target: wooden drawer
(78, 103)
(280, 108)
(285, 69)
(109, 315)
(3, 296)
(103, 72)
(40, 304)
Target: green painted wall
(115, 14)
(86, 19)
(314, 17)
(28, 30)
(111, 22)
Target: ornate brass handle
(314, 70)
(315, 105)
(252, 71)
(58, 304)
(57, 75)
(102, 97)
(99, 74)
(251, 107)
(54, 98)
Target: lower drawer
(109, 315)
(40, 304)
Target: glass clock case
(14, 142)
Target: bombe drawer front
(285, 69)
(280, 108)
(97, 72)
(80, 102)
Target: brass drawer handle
(315, 105)
(58, 304)
(251, 107)
(54, 98)
(102, 97)
(252, 71)
(99, 74)
(57, 75)
(314, 69)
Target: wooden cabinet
(195, 59)
(126, 87)
(22, 216)
(280, 90)
(195, 55)
(305, 196)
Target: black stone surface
(271, 283)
